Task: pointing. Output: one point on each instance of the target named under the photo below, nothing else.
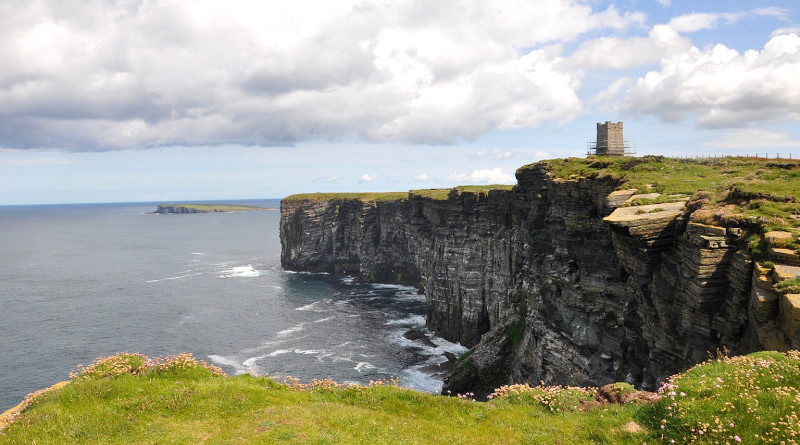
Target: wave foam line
(174, 278)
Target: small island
(206, 208)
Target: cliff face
(553, 280)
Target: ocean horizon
(84, 280)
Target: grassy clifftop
(132, 398)
(366, 196)
(754, 192)
(437, 194)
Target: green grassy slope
(759, 193)
(365, 196)
(130, 398)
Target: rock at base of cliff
(418, 336)
(486, 367)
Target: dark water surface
(82, 281)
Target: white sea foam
(307, 307)
(315, 306)
(361, 366)
(252, 360)
(441, 347)
(333, 358)
(409, 295)
(227, 361)
(393, 286)
(293, 329)
(447, 346)
(241, 271)
(175, 278)
(414, 378)
(411, 320)
(348, 279)
(198, 253)
(307, 351)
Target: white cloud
(663, 41)
(688, 23)
(786, 30)
(723, 87)
(753, 138)
(485, 176)
(624, 53)
(421, 177)
(130, 74)
(367, 178)
(610, 95)
(664, 3)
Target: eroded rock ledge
(558, 280)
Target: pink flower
(737, 438)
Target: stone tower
(609, 139)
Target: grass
(376, 196)
(791, 286)
(760, 194)
(131, 398)
(443, 194)
(753, 193)
(437, 194)
(748, 399)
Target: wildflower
(737, 438)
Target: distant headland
(206, 208)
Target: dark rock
(425, 341)
(541, 287)
(418, 336)
(414, 334)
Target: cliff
(586, 272)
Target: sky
(159, 100)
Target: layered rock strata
(558, 280)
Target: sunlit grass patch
(132, 398)
(752, 399)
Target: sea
(81, 281)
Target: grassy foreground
(132, 398)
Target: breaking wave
(241, 271)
